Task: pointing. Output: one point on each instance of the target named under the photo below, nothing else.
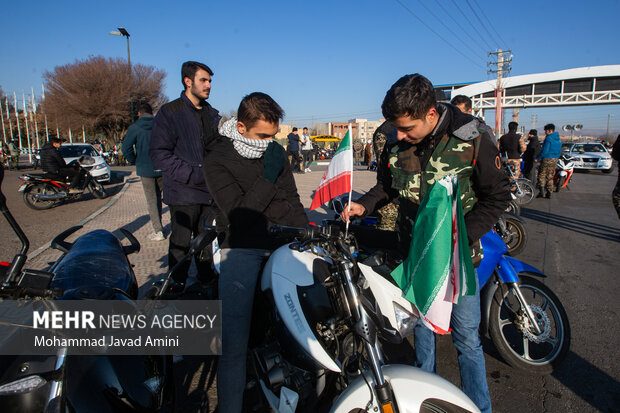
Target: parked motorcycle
(524, 318)
(41, 192)
(95, 265)
(563, 172)
(522, 189)
(512, 230)
(317, 321)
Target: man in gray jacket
(136, 150)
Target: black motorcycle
(94, 266)
(43, 192)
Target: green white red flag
(439, 269)
(338, 178)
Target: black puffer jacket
(51, 161)
(248, 203)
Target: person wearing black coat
(530, 154)
(53, 164)
(252, 184)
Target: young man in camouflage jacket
(432, 141)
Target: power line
(472, 25)
(474, 41)
(482, 24)
(490, 24)
(438, 35)
(449, 29)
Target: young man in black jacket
(54, 164)
(182, 131)
(253, 187)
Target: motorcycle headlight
(100, 166)
(405, 321)
(23, 385)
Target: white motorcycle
(318, 318)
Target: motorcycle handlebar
(295, 232)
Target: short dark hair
(549, 126)
(258, 106)
(512, 126)
(295, 129)
(189, 69)
(462, 100)
(305, 128)
(411, 95)
(533, 132)
(145, 108)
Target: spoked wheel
(31, 197)
(515, 236)
(96, 189)
(514, 336)
(524, 191)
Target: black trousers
(74, 174)
(185, 222)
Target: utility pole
(607, 134)
(515, 115)
(533, 121)
(503, 66)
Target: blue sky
(321, 60)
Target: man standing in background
(136, 149)
(550, 153)
(293, 149)
(182, 131)
(510, 145)
(306, 149)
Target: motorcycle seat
(96, 259)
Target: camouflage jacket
(458, 145)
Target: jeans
(152, 193)
(185, 221)
(464, 323)
(239, 272)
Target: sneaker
(548, 196)
(540, 195)
(308, 170)
(157, 236)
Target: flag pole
(346, 230)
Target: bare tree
(97, 93)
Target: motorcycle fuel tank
(284, 272)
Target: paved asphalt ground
(574, 238)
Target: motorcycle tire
(520, 347)
(525, 191)
(96, 189)
(31, 200)
(515, 236)
(560, 184)
(514, 208)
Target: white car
(590, 155)
(100, 170)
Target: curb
(89, 218)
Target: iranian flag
(338, 178)
(438, 270)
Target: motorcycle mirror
(338, 205)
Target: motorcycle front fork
(526, 307)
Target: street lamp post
(123, 32)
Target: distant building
(339, 129)
(366, 128)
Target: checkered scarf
(248, 148)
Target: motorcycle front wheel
(515, 236)
(560, 183)
(524, 191)
(32, 200)
(96, 189)
(514, 336)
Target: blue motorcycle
(524, 318)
